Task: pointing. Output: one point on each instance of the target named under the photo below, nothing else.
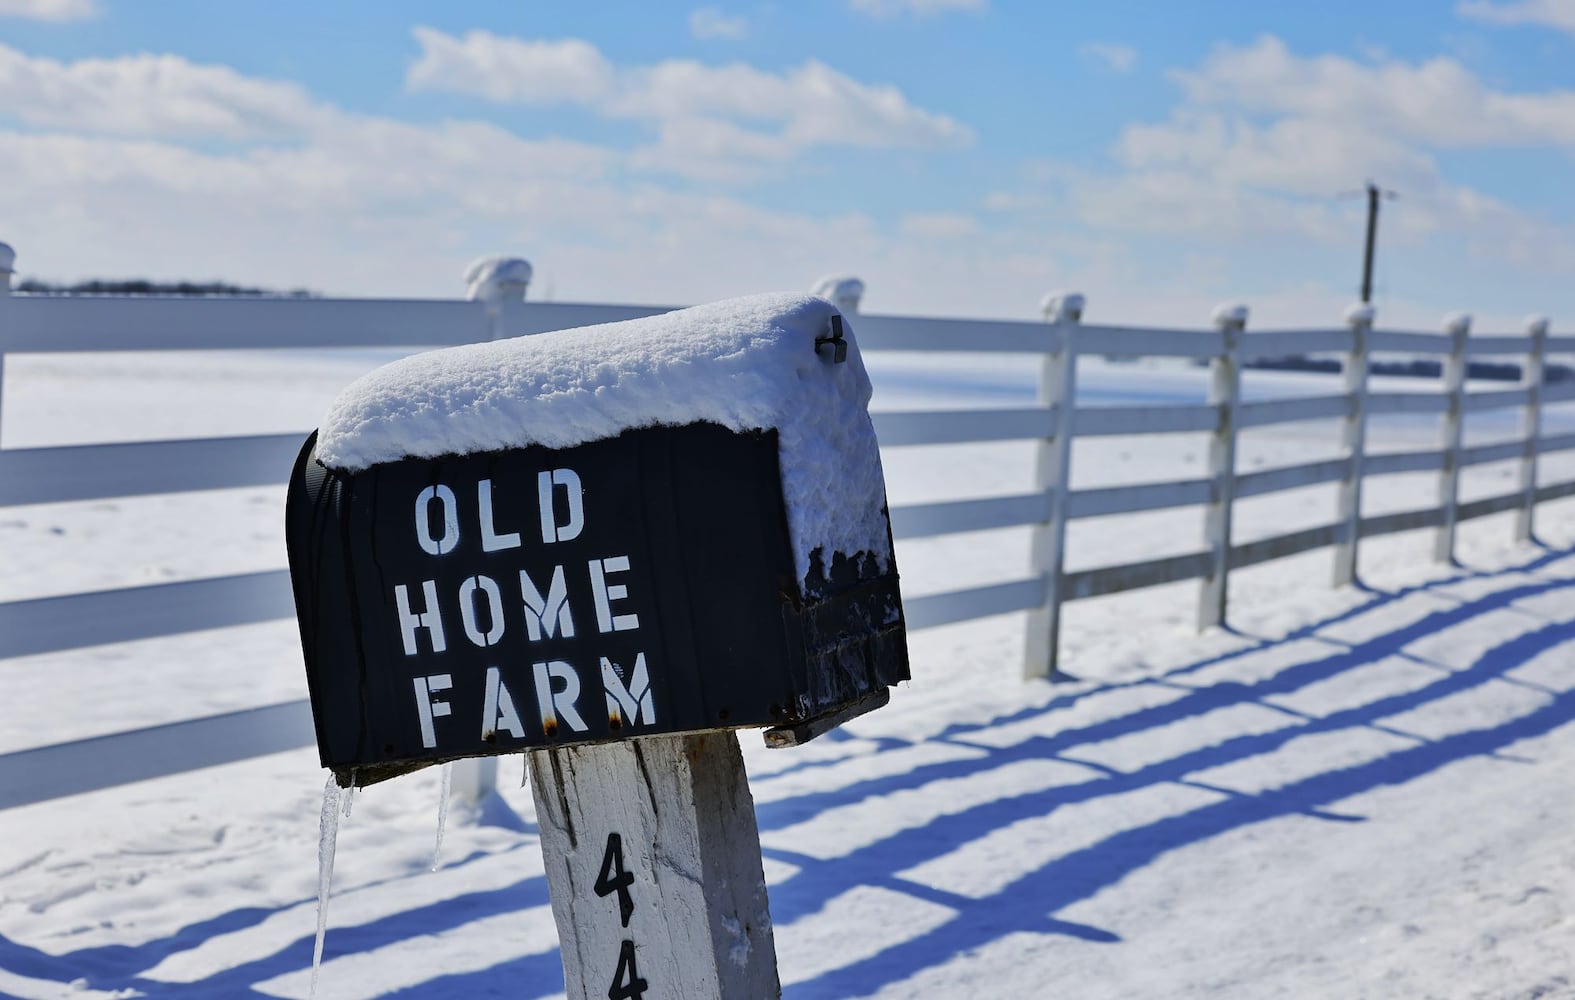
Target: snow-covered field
(1358, 792)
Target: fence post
(1053, 473)
(1531, 428)
(1353, 444)
(7, 265)
(1458, 327)
(497, 282)
(1224, 396)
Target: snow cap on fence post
(493, 279)
(1058, 306)
(1230, 315)
(1360, 314)
(7, 262)
(842, 291)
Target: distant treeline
(1420, 368)
(139, 286)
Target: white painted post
(494, 281)
(1458, 327)
(497, 281)
(844, 292)
(1353, 444)
(1224, 396)
(1052, 475)
(472, 779)
(7, 266)
(1531, 428)
(653, 868)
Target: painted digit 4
(627, 984)
(614, 878)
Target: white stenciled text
(546, 601)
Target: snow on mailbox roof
(747, 364)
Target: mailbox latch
(839, 347)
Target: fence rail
(96, 471)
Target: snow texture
(748, 364)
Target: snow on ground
(1355, 792)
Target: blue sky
(961, 156)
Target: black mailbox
(644, 583)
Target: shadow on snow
(1027, 901)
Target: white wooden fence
(1225, 349)
(48, 324)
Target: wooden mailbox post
(614, 609)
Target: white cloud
(111, 176)
(712, 149)
(1221, 181)
(1300, 156)
(1260, 122)
(711, 122)
(151, 95)
(387, 208)
(711, 22)
(49, 10)
(732, 112)
(1116, 57)
(302, 193)
(367, 168)
(309, 195)
(1437, 102)
(1202, 209)
(922, 8)
(510, 70)
(1558, 14)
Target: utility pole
(1373, 195)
